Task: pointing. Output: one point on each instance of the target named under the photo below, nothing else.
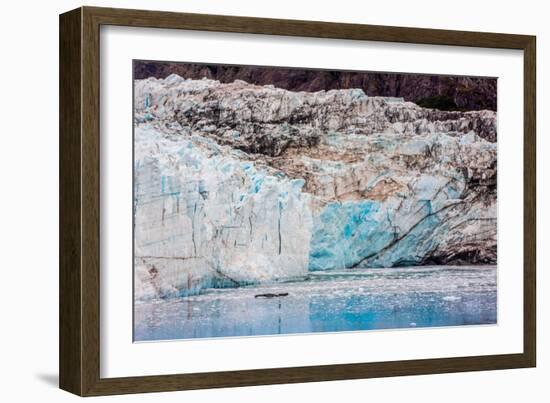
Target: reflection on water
(329, 302)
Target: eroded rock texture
(237, 183)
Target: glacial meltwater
(328, 301)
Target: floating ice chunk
(451, 298)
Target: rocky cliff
(238, 183)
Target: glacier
(239, 184)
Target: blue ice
(346, 233)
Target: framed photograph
(249, 201)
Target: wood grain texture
(530, 202)
(80, 201)
(70, 271)
(90, 202)
(316, 29)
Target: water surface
(331, 301)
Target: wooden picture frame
(79, 346)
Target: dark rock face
(467, 93)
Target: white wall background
(29, 202)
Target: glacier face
(205, 218)
(237, 184)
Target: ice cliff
(237, 183)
